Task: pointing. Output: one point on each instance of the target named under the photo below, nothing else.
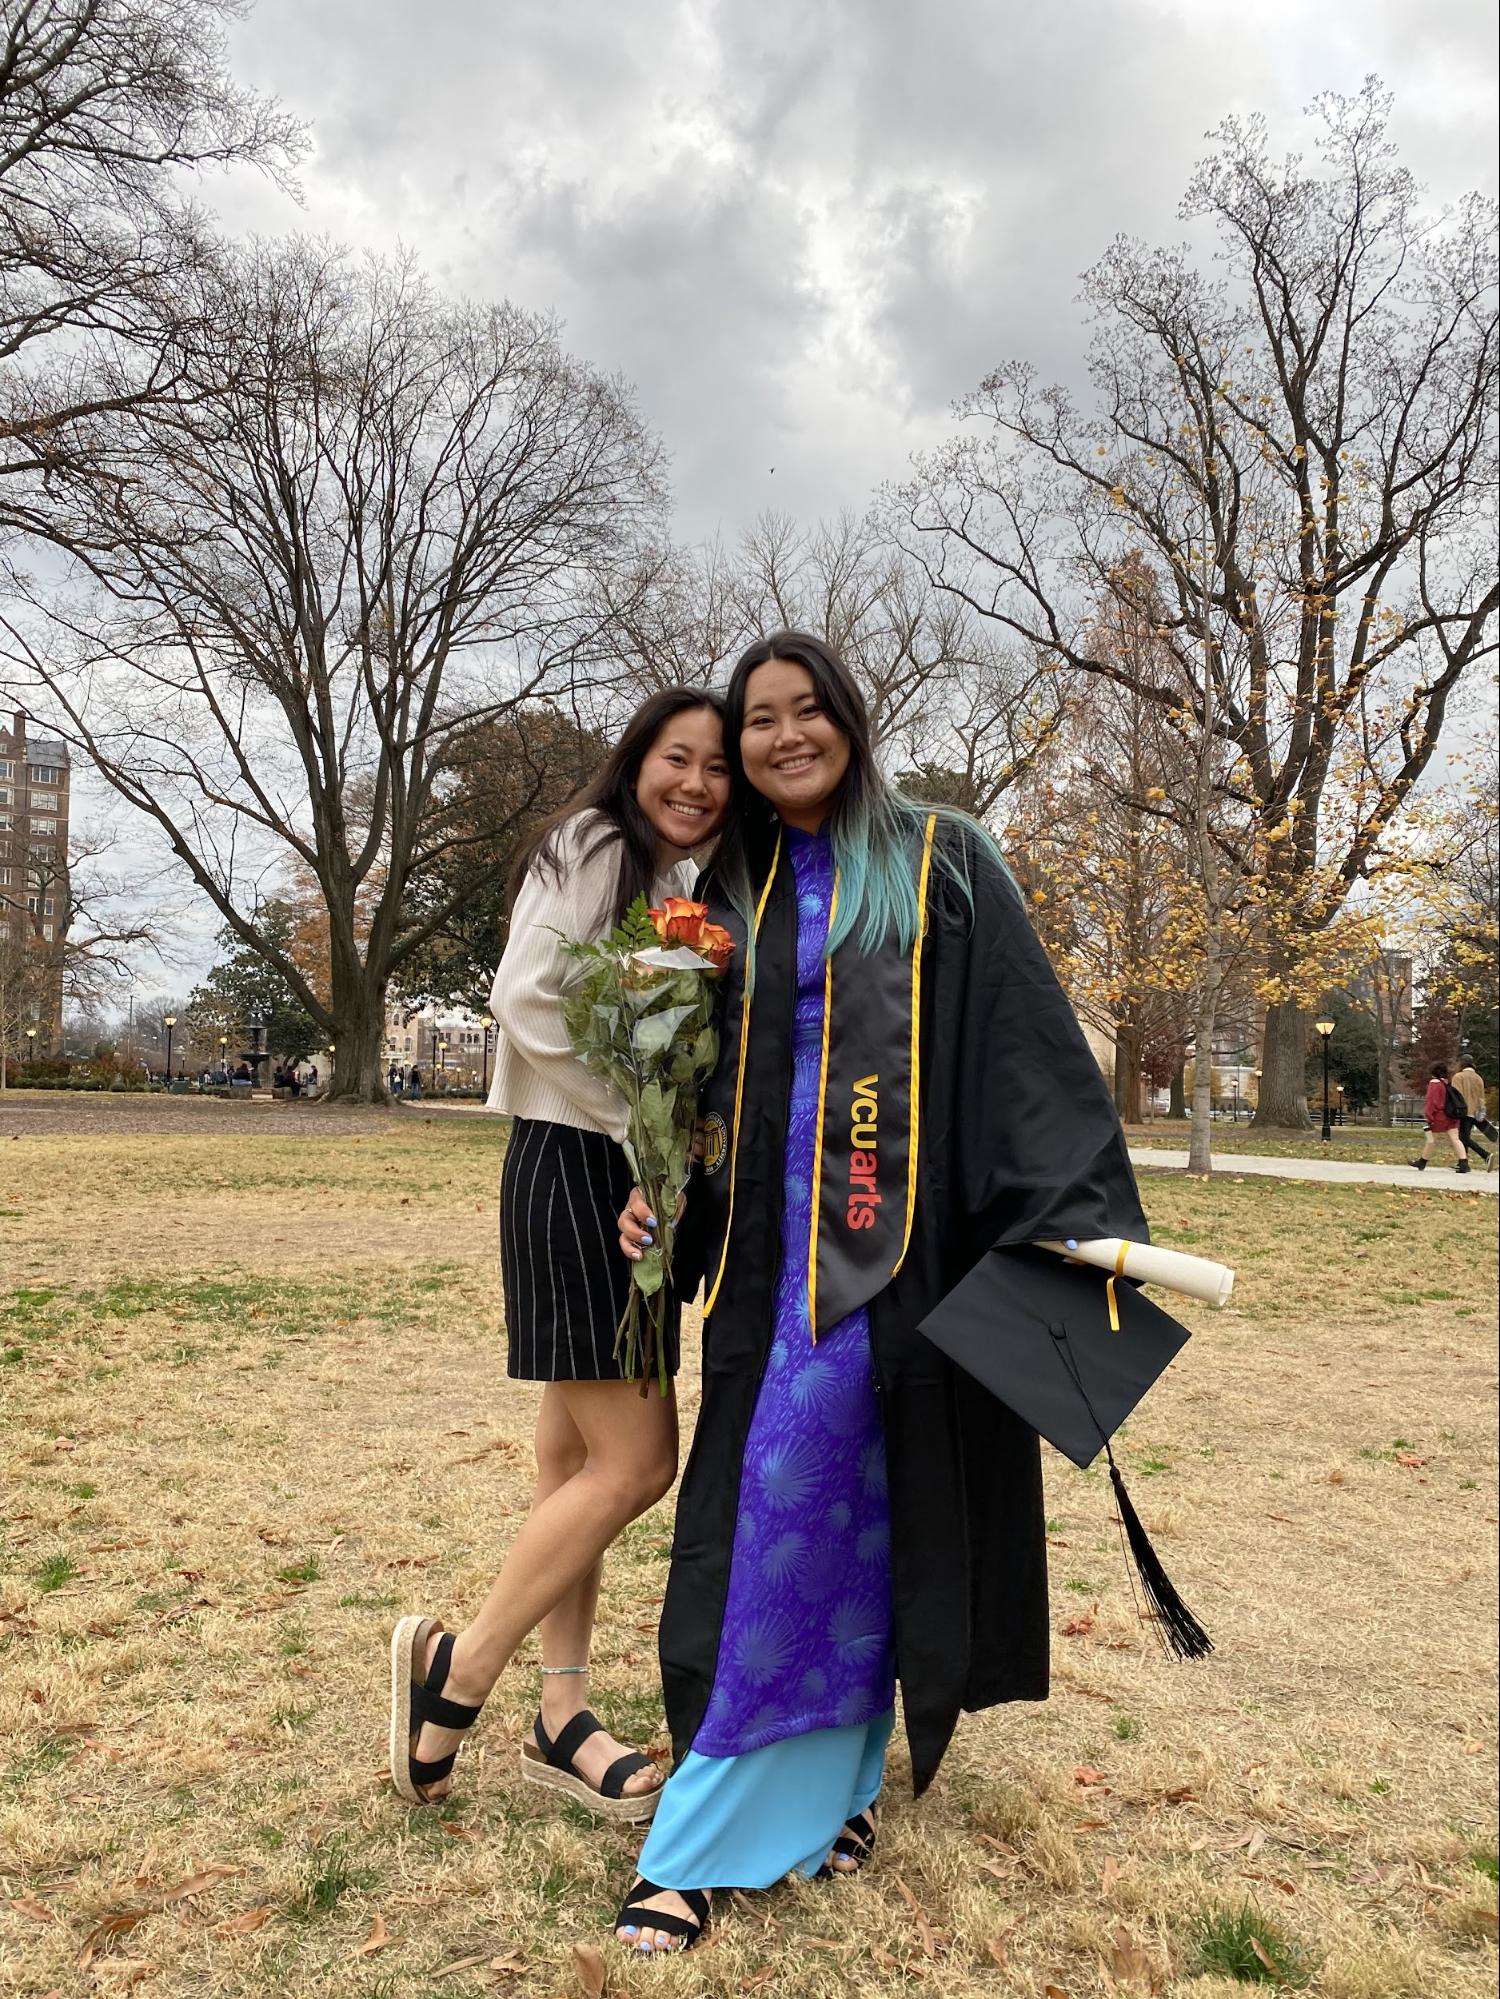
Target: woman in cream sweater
(604, 1453)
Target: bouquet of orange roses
(641, 1016)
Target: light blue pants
(745, 1821)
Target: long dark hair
(876, 829)
(610, 795)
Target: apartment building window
(46, 933)
(47, 909)
(4, 795)
(6, 771)
(45, 774)
(41, 853)
(43, 801)
(4, 877)
(44, 826)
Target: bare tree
(102, 104)
(1322, 420)
(947, 703)
(86, 924)
(364, 523)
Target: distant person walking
(414, 1082)
(1470, 1086)
(1442, 1108)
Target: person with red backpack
(1444, 1110)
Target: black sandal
(415, 1701)
(856, 1842)
(550, 1763)
(699, 1900)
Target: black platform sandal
(699, 1900)
(414, 1701)
(550, 1764)
(856, 1842)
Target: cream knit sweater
(537, 1075)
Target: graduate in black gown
(956, 1107)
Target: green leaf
(648, 1275)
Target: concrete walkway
(1346, 1171)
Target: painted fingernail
(647, 1241)
(651, 1220)
(1072, 1242)
(634, 1255)
(630, 1930)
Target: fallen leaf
(1179, 1794)
(28, 1905)
(459, 1964)
(1410, 1460)
(511, 1965)
(103, 1934)
(1087, 1774)
(1079, 1625)
(1130, 1965)
(589, 1967)
(753, 1980)
(1054, 1992)
(378, 1938)
(919, 1917)
(1255, 1842)
(1109, 1874)
(453, 1831)
(246, 1923)
(996, 1947)
(196, 1883)
(1266, 1959)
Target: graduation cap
(1071, 1353)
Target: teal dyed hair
(876, 830)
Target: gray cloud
(803, 228)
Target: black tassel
(1176, 1623)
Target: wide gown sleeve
(1038, 1147)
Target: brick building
(34, 802)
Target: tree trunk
(1177, 1093)
(1283, 1062)
(1128, 1071)
(1200, 1138)
(358, 1033)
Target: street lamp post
(30, 1046)
(224, 1056)
(1325, 1035)
(485, 1083)
(169, 1021)
(442, 1061)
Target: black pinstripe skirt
(566, 1282)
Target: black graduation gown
(1018, 1140)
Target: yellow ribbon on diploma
(1109, 1286)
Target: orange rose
(718, 944)
(679, 921)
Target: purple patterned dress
(806, 1640)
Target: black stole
(869, 1091)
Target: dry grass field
(253, 1406)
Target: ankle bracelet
(551, 1672)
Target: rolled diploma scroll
(1194, 1276)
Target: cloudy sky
(802, 229)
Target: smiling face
(683, 784)
(793, 752)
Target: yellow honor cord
(739, 1082)
(916, 1040)
(1109, 1288)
